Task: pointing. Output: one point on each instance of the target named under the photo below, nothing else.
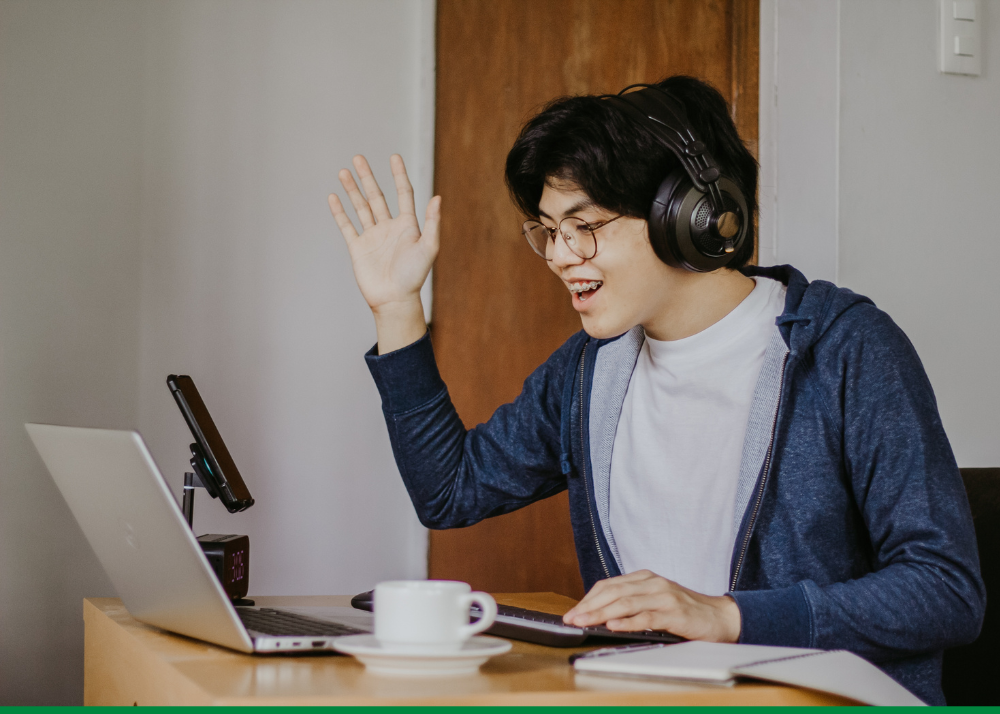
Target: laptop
(131, 520)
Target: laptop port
(319, 643)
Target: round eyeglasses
(577, 233)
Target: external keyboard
(546, 629)
(517, 623)
(280, 623)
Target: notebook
(835, 672)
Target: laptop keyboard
(281, 623)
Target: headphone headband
(698, 218)
(660, 112)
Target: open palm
(391, 257)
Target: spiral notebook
(835, 672)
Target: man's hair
(620, 163)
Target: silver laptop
(137, 530)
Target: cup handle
(487, 605)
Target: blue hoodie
(854, 527)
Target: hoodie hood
(810, 308)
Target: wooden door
(498, 310)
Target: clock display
(229, 556)
(236, 568)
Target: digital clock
(229, 556)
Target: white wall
(164, 168)
(70, 131)
(917, 181)
(799, 105)
(251, 108)
(919, 188)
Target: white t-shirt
(677, 450)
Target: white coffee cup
(428, 615)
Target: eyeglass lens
(575, 232)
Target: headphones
(698, 220)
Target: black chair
(972, 673)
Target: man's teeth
(581, 288)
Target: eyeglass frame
(592, 227)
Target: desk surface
(126, 662)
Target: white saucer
(379, 659)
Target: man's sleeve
(925, 592)
(457, 477)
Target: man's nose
(562, 256)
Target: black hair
(619, 163)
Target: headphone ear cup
(662, 233)
(676, 218)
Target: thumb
(432, 224)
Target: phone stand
(229, 555)
(191, 482)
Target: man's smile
(582, 290)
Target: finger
(644, 620)
(601, 587)
(593, 609)
(340, 216)
(605, 609)
(359, 202)
(597, 598)
(627, 607)
(587, 603)
(432, 224)
(636, 576)
(404, 191)
(374, 194)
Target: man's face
(634, 284)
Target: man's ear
(642, 225)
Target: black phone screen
(214, 455)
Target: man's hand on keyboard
(645, 601)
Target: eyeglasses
(577, 233)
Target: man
(750, 457)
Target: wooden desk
(127, 662)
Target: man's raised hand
(391, 257)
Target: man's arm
(454, 477)
(457, 477)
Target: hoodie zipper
(583, 464)
(763, 482)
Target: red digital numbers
(238, 566)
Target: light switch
(964, 10)
(965, 46)
(960, 37)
